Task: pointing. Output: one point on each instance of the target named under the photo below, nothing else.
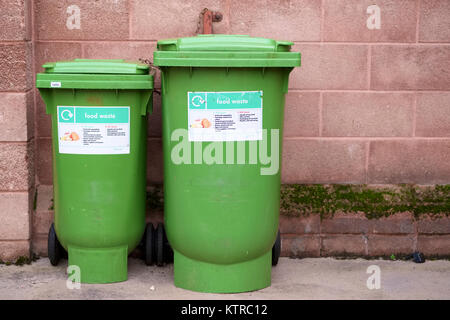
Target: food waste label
(225, 116)
(94, 130)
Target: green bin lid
(95, 74)
(219, 50)
(96, 66)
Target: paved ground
(323, 278)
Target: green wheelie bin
(99, 139)
(222, 111)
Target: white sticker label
(94, 130)
(225, 116)
(55, 84)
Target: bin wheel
(149, 244)
(160, 245)
(276, 249)
(54, 247)
(168, 252)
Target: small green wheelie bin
(99, 127)
(222, 111)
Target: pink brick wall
(355, 235)
(367, 106)
(17, 129)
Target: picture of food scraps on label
(70, 136)
(201, 123)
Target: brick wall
(355, 235)
(16, 129)
(367, 106)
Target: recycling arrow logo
(197, 101)
(66, 114)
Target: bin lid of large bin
(97, 66)
(95, 74)
(219, 50)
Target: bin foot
(100, 265)
(220, 278)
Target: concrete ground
(320, 278)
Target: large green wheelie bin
(99, 128)
(222, 111)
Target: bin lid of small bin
(95, 74)
(97, 66)
(219, 50)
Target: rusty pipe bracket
(207, 17)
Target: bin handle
(147, 102)
(168, 45)
(285, 46)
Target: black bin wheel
(276, 249)
(149, 244)
(168, 252)
(159, 237)
(157, 249)
(55, 250)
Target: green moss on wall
(374, 202)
